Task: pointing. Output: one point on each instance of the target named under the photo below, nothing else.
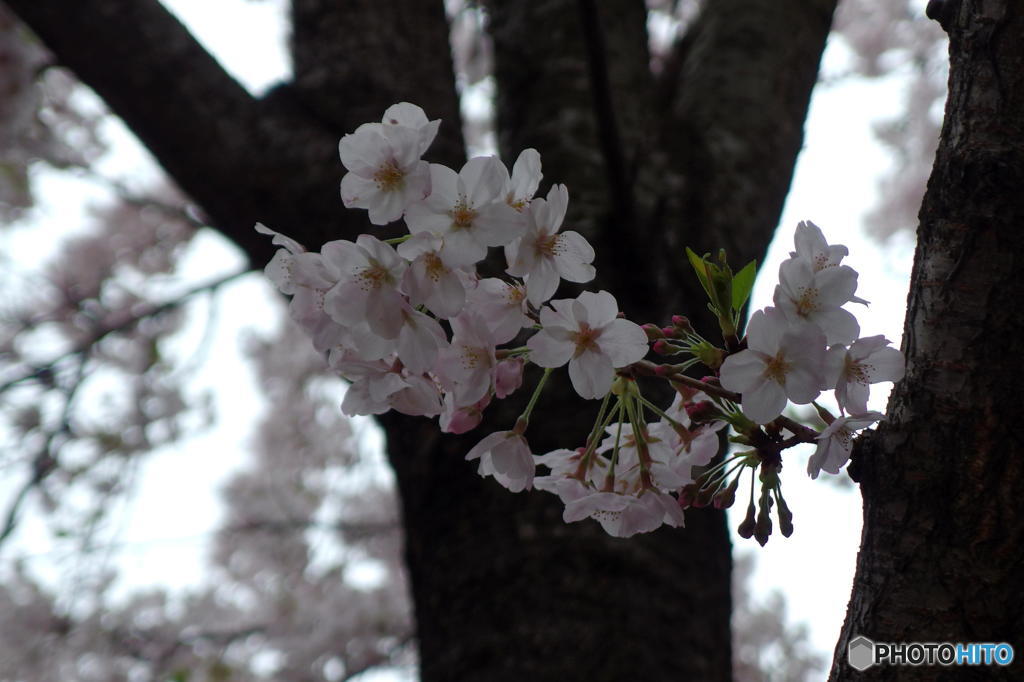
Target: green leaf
(742, 284)
(700, 267)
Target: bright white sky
(163, 540)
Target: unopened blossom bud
(702, 412)
(746, 528)
(763, 527)
(705, 496)
(785, 519)
(682, 324)
(653, 331)
(670, 332)
(663, 347)
(688, 494)
(725, 497)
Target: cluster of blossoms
(415, 328)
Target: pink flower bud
(508, 376)
(653, 331)
(701, 412)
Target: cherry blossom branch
(47, 368)
(648, 368)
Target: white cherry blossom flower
(543, 256)
(803, 294)
(621, 516)
(836, 442)
(429, 280)
(368, 272)
(506, 456)
(467, 367)
(413, 117)
(812, 247)
(587, 333)
(386, 173)
(869, 360)
(782, 360)
(468, 209)
(502, 305)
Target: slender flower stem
(660, 412)
(536, 394)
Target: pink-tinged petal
(546, 351)
(344, 256)
(765, 330)
(485, 178)
(422, 219)
(358, 191)
(588, 505)
(863, 347)
(444, 187)
(404, 143)
(856, 422)
(839, 325)
(416, 186)
(419, 340)
(386, 207)
(280, 239)
(448, 297)
(462, 249)
(795, 275)
(559, 315)
(765, 402)
(835, 362)
(346, 303)
(384, 312)
(852, 396)
(591, 374)
(601, 308)
(885, 364)
(835, 285)
(624, 342)
(486, 445)
(573, 257)
(405, 114)
(420, 399)
(803, 384)
(542, 282)
(742, 371)
(558, 204)
(526, 175)
(809, 239)
(497, 224)
(363, 150)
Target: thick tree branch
(735, 123)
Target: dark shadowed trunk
(942, 551)
(700, 154)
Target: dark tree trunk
(942, 551)
(701, 154)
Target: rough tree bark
(699, 155)
(942, 551)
